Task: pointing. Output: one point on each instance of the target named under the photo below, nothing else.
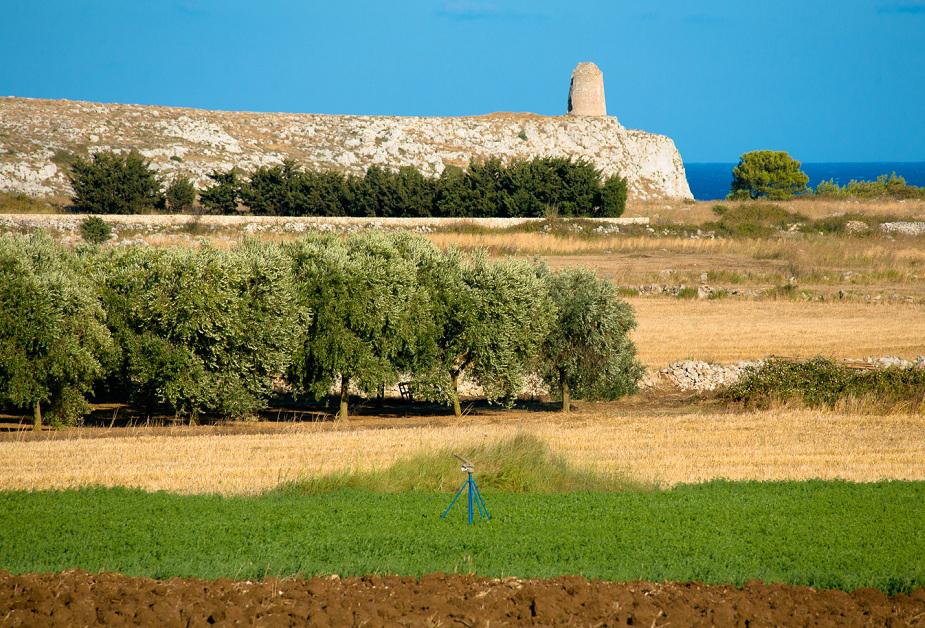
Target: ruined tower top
(586, 93)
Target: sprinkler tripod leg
(471, 495)
(483, 509)
(455, 497)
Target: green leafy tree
(774, 175)
(53, 340)
(366, 307)
(544, 185)
(449, 193)
(201, 330)
(223, 195)
(613, 197)
(95, 230)
(384, 193)
(288, 190)
(490, 319)
(587, 351)
(109, 183)
(180, 195)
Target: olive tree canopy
(588, 351)
(53, 340)
(491, 317)
(366, 307)
(201, 330)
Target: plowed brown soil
(77, 598)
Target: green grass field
(823, 534)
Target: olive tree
(201, 330)
(770, 174)
(490, 318)
(366, 307)
(587, 351)
(54, 343)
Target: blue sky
(833, 80)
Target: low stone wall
(699, 376)
(154, 223)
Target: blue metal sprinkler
(473, 493)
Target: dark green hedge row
(109, 183)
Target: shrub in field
(201, 331)
(613, 197)
(824, 383)
(587, 350)
(366, 307)
(223, 195)
(53, 340)
(752, 220)
(95, 230)
(885, 186)
(109, 183)
(521, 464)
(770, 174)
(180, 195)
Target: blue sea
(710, 181)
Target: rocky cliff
(38, 138)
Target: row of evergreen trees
(207, 332)
(110, 183)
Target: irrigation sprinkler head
(466, 466)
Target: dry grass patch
(697, 212)
(730, 330)
(660, 448)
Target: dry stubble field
(677, 446)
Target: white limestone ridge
(39, 137)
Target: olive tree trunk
(37, 417)
(343, 415)
(457, 410)
(566, 394)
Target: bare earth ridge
(38, 138)
(80, 598)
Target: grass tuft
(522, 464)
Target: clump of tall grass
(18, 203)
(821, 382)
(522, 464)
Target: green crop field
(823, 534)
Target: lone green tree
(110, 183)
(366, 307)
(587, 351)
(773, 175)
(53, 340)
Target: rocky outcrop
(912, 228)
(38, 138)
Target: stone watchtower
(586, 93)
